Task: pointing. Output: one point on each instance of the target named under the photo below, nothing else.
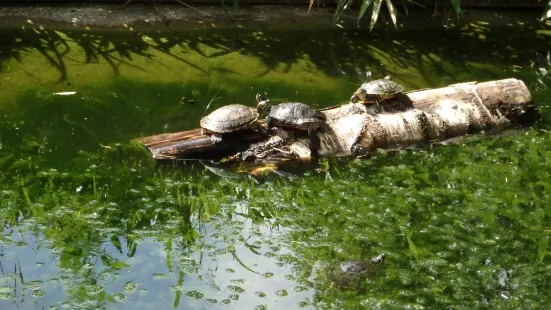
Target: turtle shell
(382, 86)
(229, 118)
(296, 113)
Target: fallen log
(408, 120)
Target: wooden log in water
(410, 119)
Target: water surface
(91, 221)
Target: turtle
(376, 91)
(351, 274)
(292, 115)
(358, 267)
(230, 118)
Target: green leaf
(543, 244)
(456, 6)
(547, 11)
(392, 11)
(365, 5)
(375, 13)
(343, 5)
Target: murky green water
(90, 221)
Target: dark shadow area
(336, 52)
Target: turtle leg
(285, 134)
(269, 122)
(315, 143)
(261, 129)
(380, 107)
(216, 138)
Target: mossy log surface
(408, 120)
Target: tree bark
(410, 119)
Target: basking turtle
(376, 91)
(228, 119)
(292, 115)
(351, 274)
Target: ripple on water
(260, 294)
(281, 293)
(261, 307)
(268, 275)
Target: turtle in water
(292, 115)
(230, 118)
(377, 91)
(351, 274)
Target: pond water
(90, 221)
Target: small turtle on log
(377, 91)
(351, 274)
(230, 118)
(293, 115)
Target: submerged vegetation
(91, 221)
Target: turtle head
(379, 258)
(359, 96)
(263, 103)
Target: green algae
(461, 225)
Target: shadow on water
(336, 52)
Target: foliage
(375, 7)
(547, 12)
